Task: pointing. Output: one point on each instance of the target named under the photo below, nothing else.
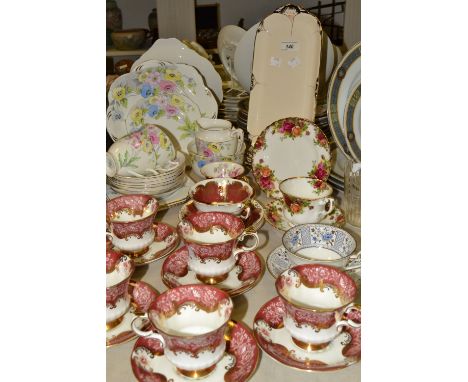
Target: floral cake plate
(275, 340)
(165, 241)
(252, 223)
(244, 276)
(287, 148)
(142, 295)
(275, 216)
(238, 364)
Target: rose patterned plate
(252, 223)
(278, 261)
(165, 241)
(276, 341)
(346, 76)
(142, 295)
(244, 276)
(274, 215)
(287, 148)
(237, 365)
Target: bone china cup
(216, 136)
(212, 239)
(317, 299)
(306, 199)
(119, 269)
(130, 220)
(190, 321)
(222, 170)
(319, 244)
(222, 195)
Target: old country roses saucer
(275, 216)
(149, 364)
(243, 277)
(288, 148)
(165, 241)
(275, 340)
(142, 295)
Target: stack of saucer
(158, 184)
(230, 105)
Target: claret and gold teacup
(190, 322)
(317, 300)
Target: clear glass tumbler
(352, 192)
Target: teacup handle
(243, 249)
(240, 138)
(354, 261)
(245, 213)
(348, 322)
(331, 206)
(110, 236)
(149, 333)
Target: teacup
(212, 240)
(222, 170)
(320, 244)
(190, 322)
(317, 300)
(217, 137)
(306, 199)
(146, 151)
(130, 221)
(222, 195)
(119, 269)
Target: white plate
(352, 122)
(154, 77)
(173, 50)
(228, 38)
(345, 78)
(287, 148)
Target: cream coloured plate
(285, 68)
(173, 50)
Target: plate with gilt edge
(345, 77)
(287, 148)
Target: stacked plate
(230, 106)
(157, 185)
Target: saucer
(142, 295)
(252, 223)
(275, 216)
(165, 241)
(243, 277)
(275, 340)
(237, 365)
(278, 261)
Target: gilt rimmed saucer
(275, 216)
(142, 295)
(240, 360)
(165, 241)
(244, 276)
(275, 340)
(252, 224)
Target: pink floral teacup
(190, 322)
(216, 136)
(144, 152)
(306, 199)
(222, 195)
(130, 221)
(119, 269)
(317, 300)
(222, 170)
(212, 240)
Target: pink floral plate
(166, 240)
(274, 215)
(237, 365)
(252, 223)
(142, 295)
(276, 341)
(288, 148)
(244, 276)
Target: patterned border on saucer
(340, 72)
